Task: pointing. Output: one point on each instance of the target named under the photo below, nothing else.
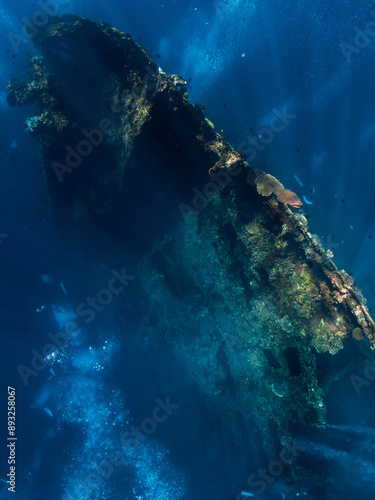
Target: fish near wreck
(288, 197)
(126, 149)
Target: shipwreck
(228, 274)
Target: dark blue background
(242, 59)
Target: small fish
(298, 150)
(298, 180)
(370, 236)
(247, 494)
(343, 201)
(307, 201)
(48, 411)
(63, 288)
(351, 227)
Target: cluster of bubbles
(92, 415)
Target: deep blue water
(245, 60)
